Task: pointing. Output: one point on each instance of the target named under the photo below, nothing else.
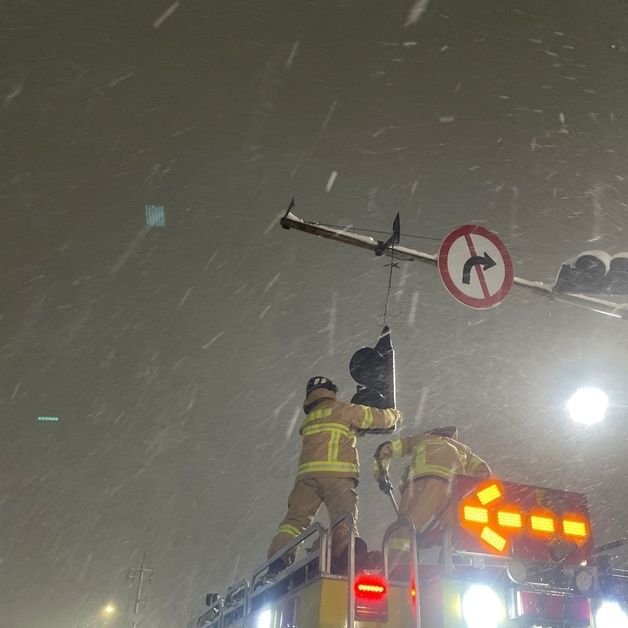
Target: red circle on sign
(490, 299)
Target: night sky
(176, 357)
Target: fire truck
(512, 555)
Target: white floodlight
(611, 615)
(481, 607)
(265, 619)
(588, 405)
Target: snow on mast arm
(291, 221)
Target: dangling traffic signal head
(373, 368)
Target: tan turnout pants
(421, 500)
(339, 496)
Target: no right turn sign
(475, 266)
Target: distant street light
(588, 405)
(108, 611)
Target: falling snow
(13, 93)
(207, 345)
(331, 181)
(332, 107)
(293, 54)
(165, 15)
(185, 297)
(175, 358)
(417, 10)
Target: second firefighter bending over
(328, 467)
(435, 457)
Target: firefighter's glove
(380, 468)
(384, 484)
(384, 452)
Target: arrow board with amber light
(520, 521)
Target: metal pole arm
(292, 221)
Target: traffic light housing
(594, 272)
(373, 368)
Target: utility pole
(143, 577)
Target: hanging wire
(416, 236)
(392, 266)
(406, 235)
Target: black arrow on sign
(486, 260)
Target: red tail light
(371, 597)
(370, 586)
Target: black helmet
(320, 382)
(449, 432)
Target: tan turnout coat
(330, 432)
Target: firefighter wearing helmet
(328, 467)
(435, 457)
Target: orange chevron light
(543, 524)
(496, 513)
(489, 494)
(509, 519)
(575, 527)
(475, 514)
(493, 539)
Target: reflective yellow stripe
(421, 468)
(434, 441)
(332, 446)
(439, 442)
(367, 419)
(399, 544)
(397, 447)
(432, 469)
(317, 414)
(392, 415)
(462, 457)
(327, 466)
(288, 529)
(471, 467)
(326, 427)
(475, 462)
(336, 439)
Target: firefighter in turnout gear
(328, 468)
(436, 456)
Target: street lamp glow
(588, 406)
(108, 610)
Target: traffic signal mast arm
(292, 221)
